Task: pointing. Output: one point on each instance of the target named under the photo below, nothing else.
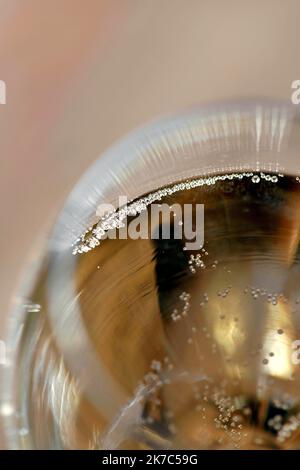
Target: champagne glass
(142, 344)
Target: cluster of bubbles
(196, 261)
(224, 292)
(285, 430)
(267, 177)
(114, 220)
(271, 297)
(231, 412)
(177, 315)
(230, 418)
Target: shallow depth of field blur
(82, 73)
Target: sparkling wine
(201, 344)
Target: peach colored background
(82, 73)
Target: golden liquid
(200, 344)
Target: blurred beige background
(82, 73)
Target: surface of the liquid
(201, 343)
